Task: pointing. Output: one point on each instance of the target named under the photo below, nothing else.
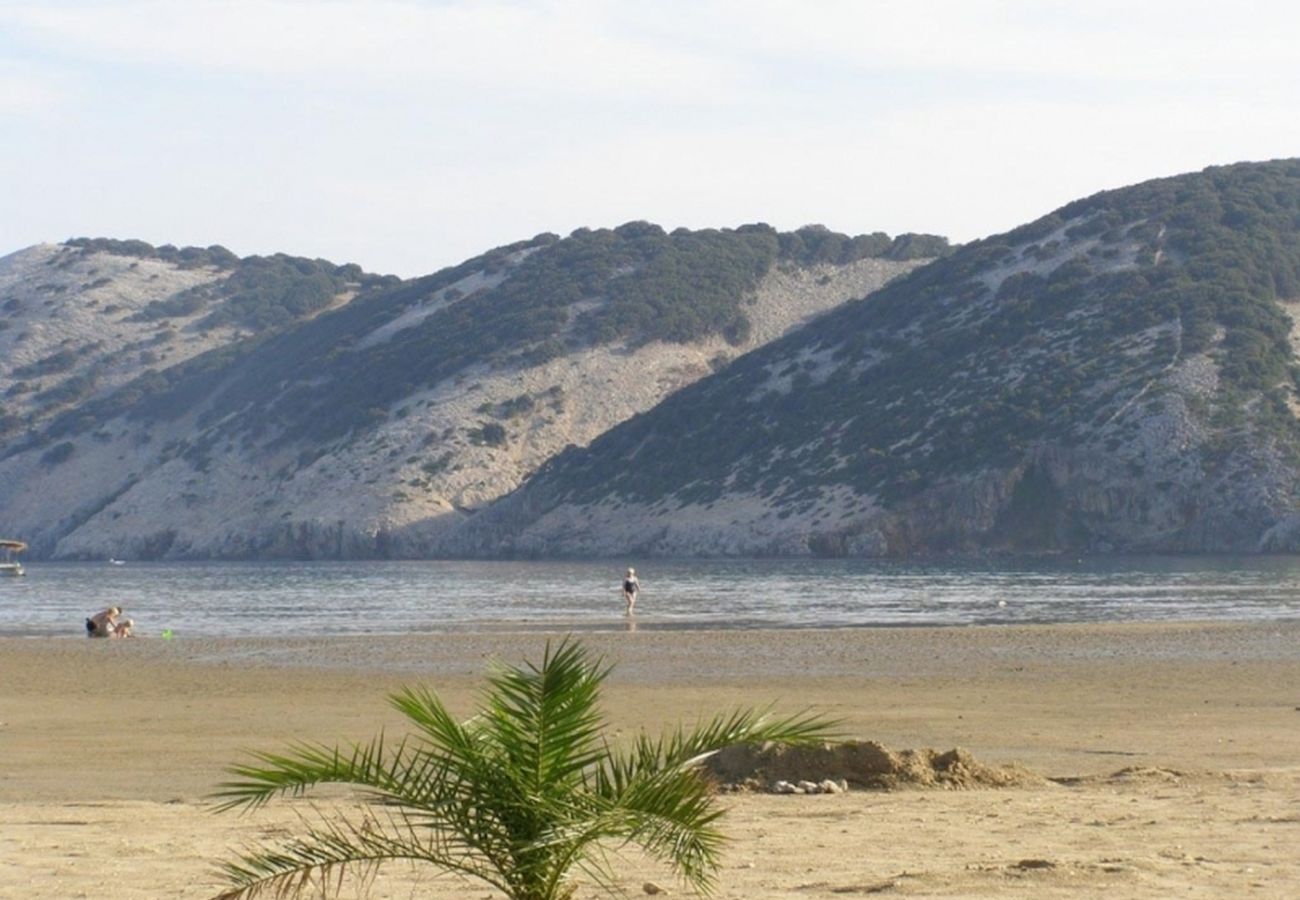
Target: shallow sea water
(268, 599)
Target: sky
(406, 136)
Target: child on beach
(103, 624)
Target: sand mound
(862, 764)
(1145, 775)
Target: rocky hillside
(81, 319)
(165, 403)
(1116, 376)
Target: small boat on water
(8, 564)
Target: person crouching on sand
(631, 587)
(103, 624)
(124, 629)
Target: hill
(164, 402)
(1118, 375)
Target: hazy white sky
(406, 135)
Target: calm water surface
(315, 598)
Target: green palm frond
(546, 718)
(306, 766)
(519, 796)
(342, 844)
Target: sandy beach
(1169, 754)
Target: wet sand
(1175, 750)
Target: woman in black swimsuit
(631, 587)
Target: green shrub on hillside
(185, 257)
(58, 454)
(489, 434)
(55, 363)
(264, 293)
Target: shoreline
(110, 748)
(670, 625)
(245, 600)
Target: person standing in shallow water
(631, 587)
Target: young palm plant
(520, 796)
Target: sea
(269, 599)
